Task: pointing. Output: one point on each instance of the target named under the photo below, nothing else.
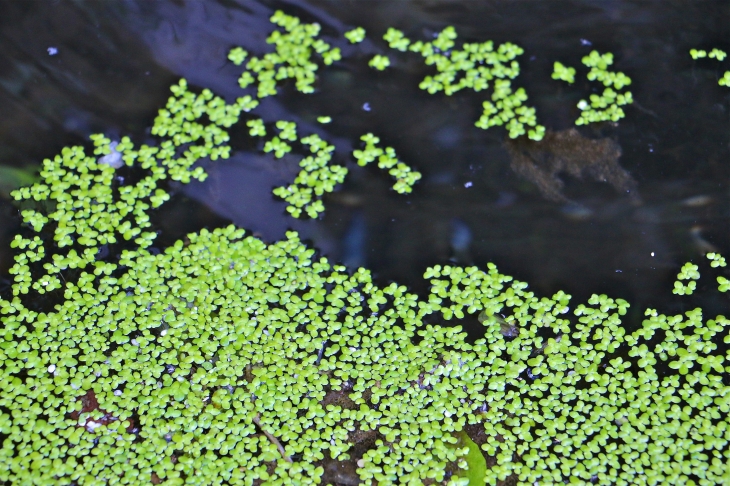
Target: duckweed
(715, 53)
(474, 66)
(292, 59)
(387, 159)
(725, 79)
(356, 35)
(379, 62)
(689, 272)
(563, 73)
(606, 106)
(317, 176)
(226, 360)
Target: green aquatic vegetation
(214, 361)
(718, 54)
(716, 260)
(472, 466)
(292, 59)
(356, 35)
(396, 39)
(607, 105)
(404, 176)
(689, 272)
(379, 62)
(257, 127)
(725, 79)
(88, 212)
(715, 53)
(324, 119)
(226, 360)
(697, 53)
(563, 73)
(474, 66)
(317, 176)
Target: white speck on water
(164, 331)
(134, 342)
(366, 106)
(652, 253)
(52, 368)
(467, 184)
(585, 42)
(117, 393)
(91, 425)
(52, 51)
(113, 158)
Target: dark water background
(115, 61)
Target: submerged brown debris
(568, 151)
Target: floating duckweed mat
(226, 360)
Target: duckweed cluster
(405, 177)
(474, 66)
(292, 59)
(690, 272)
(718, 261)
(317, 176)
(356, 35)
(563, 73)
(606, 106)
(717, 54)
(379, 62)
(226, 360)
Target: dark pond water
(113, 62)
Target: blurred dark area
(72, 68)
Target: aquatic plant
(226, 360)
(689, 272)
(606, 106)
(387, 159)
(563, 73)
(292, 59)
(715, 53)
(725, 79)
(379, 62)
(474, 66)
(356, 35)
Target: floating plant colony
(226, 360)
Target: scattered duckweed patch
(474, 66)
(379, 62)
(606, 106)
(690, 272)
(294, 47)
(563, 73)
(356, 35)
(715, 53)
(317, 176)
(725, 79)
(324, 119)
(387, 159)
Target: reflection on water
(557, 218)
